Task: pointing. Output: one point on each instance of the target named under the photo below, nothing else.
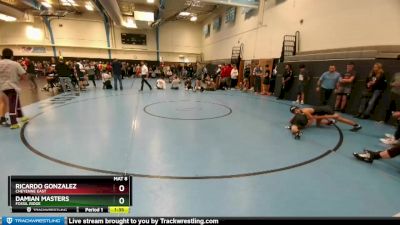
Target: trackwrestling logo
(33, 220)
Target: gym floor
(223, 153)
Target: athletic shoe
(389, 141)
(365, 156)
(356, 128)
(387, 138)
(5, 124)
(297, 136)
(15, 126)
(391, 136)
(288, 127)
(302, 102)
(24, 119)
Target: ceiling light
(7, 18)
(129, 23)
(144, 16)
(184, 13)
(46, 4)
(68, 3)
(150, 1)
(89, 6)
(193, 18)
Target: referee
(144, 73)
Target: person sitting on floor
(175, 82)
(210, 84)
(169, 75)
(188, 84)
(106, 77)
(160, 84)
(369, 156)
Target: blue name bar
(20, 220)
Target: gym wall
(85, 36)
(327, 24)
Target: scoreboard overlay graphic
(75, 194)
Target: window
(217, 24)
(230, 15)
(207, 30)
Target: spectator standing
(303, 81)
(246, 77)
(266, 81)
(375, 85)
(117, 74)
(345, 87)
(92, 74)
(257, 81)
(273, 80)
(228, 76)
(10, 74)
(224, 77)
(30, 70)
(234, 76)
(327, 83)
(144, 73)
(287, 81)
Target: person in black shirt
(375, 85)
(287, 81)
(303, 81)
(79, 71)
(266, 81)
(117, 74)
(246, 77)
(123, 72)
(97, 71)
(30, 70)
(272, 81)
(64, 75)
(130, 70)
